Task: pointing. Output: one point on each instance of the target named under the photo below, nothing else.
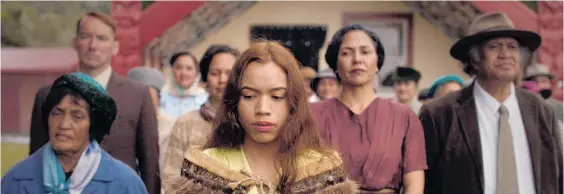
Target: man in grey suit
(492, 137)
(133, 138)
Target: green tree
(531, 4)
(44, 24)
(146, 4)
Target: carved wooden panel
(452, 17)
(127, 15)
(192, 29)
(550, 29)
(547, 22)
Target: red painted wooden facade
(24, 71)
(137, 28)
(127, 15)
(161, 15)
(547, 22)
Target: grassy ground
(11, 154)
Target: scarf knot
(54, 178)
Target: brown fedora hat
(492, 25)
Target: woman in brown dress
(381, 142)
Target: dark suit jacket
(133, 136)
(454, 154)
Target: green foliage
(146, 4)
(43, 23)
(531, 4)
(12, 153)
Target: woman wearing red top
(381, 142)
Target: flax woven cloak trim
(202, 174)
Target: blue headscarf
(442, 81)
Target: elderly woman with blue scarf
(78, 113)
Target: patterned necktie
(506, 167)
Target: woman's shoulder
(191, 118)
(203, 172)
(128, 181)
(322, 105)
(324, 172)
(314, 156)
(118, 169)
(216, 153)
(22, 173)
(322, 110)
(26, 168)
(393, 106)
(312, 162)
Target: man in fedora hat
(406, 86)
(491, 137)
(308, 74)
(326, 85)
(541, 75)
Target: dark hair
(299, 133)
(96, 131)
(210, 53)
(177, 55)
(106, 19)
(332, 53)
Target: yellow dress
(235, 160)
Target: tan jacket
(189, 130)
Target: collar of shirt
(103, 77)
(491, 103)
(414, 101)
(313, 98)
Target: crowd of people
(258, 122)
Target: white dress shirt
(104, 77)
(488, 119)
(313, 98)
(415, 105)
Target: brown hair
(108, 20)
(298, 134)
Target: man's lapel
(468, 117)
(31, 176)
(114, 85)
(528, 115)
(114, 89)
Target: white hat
(538, 70)
(147, 75)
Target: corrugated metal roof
(37, 60)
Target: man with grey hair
(491, 137)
